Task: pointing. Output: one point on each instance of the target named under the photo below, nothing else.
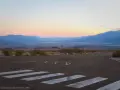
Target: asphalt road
(86, 72)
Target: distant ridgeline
(107, 40)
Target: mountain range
(107, 38)
(110, 37)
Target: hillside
(107, 38)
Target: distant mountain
(111, 37)
(29, 41)
(19, 41)
(107, 38)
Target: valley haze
(106, 40)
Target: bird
(55, 62)
(46, 62)
(67, 63)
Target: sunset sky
(63, 18)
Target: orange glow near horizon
(49, 29)
(58, 18)
(53, 32)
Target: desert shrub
(116, 54)
(26, 53)
(19, 52)
(7, 52)
(1, 52)
(38, 53)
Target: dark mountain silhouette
(111, 38)
(19, 40)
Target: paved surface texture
(93, 71)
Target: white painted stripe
(25, 74)
(59, 80)
(42, 77)
(112, 86)
(23, 61)
(13, 72)
(86, 82)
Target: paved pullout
(63, 72)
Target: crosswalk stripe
(42, 77)
(59, 80)
(86, 82)
(25, 74)
(13, 72)
(112, 86)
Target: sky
(58, 18)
